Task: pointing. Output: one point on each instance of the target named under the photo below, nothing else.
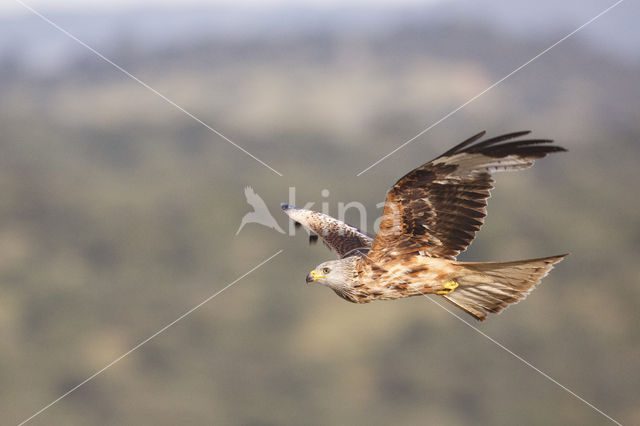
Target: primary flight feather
(430, 215)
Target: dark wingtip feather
(464, 143)
(313, 239)
(522, 149)
(502, 138)
(504, 145)
(297, 224)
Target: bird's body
(370, 282)
(430, 215)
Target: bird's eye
(326, 270)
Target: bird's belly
(418, 276)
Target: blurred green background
(119, 213)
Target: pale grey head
(335, 274)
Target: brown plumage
(430, 215)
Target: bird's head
(333, 274)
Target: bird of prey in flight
(430, 215)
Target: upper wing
(437, 208)
(344, 239)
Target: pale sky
(13, 7)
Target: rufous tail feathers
(489, 287)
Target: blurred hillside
(119, 213)
(25, 40)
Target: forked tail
(492, 286)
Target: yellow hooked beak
(314, 276)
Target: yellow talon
(449, 286)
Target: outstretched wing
(344, 239)
(437, 208)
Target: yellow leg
(449, 287)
